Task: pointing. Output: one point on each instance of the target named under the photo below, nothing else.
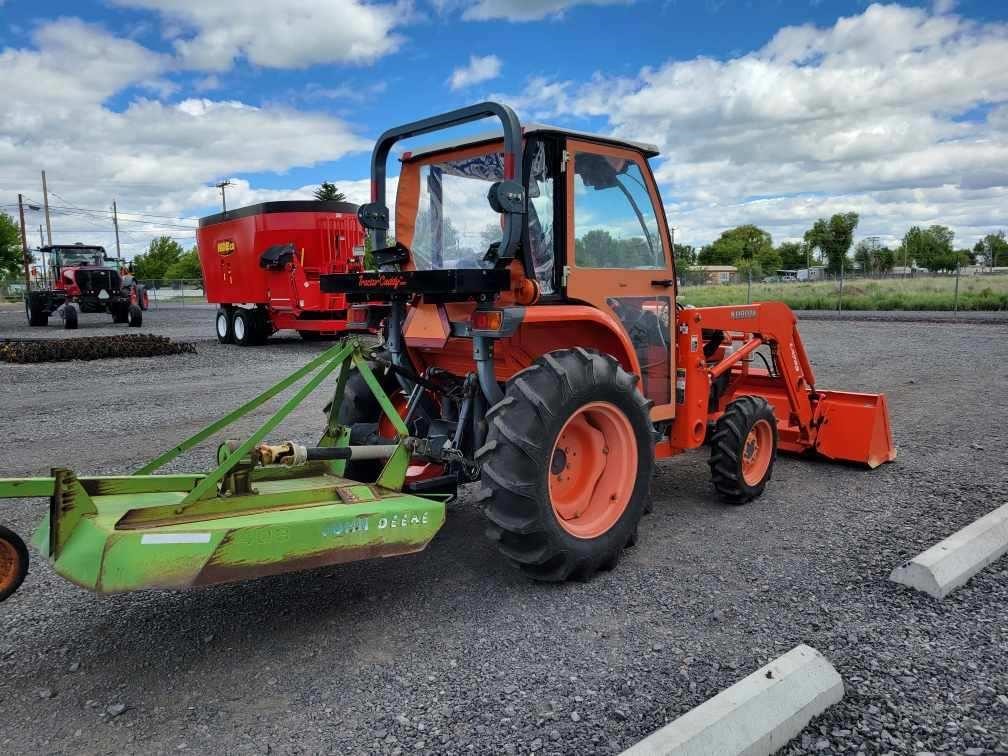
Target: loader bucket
(854, 428)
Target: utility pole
(223, 197)
(45, 198)
(24, 246)
(41, 238)
(115, 222)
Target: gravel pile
(450, 651)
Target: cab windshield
(72, 258)
(454, 224)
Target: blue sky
(770, 112)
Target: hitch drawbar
(264, 509)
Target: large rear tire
(743, 449)
(566, 468)
(37, 316)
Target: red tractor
(81, 278)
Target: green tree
(328, 191)
(11, 258)
(595, 249)
(833, 239)
(994, 248)
(792, 255)
(740, 243)
(161, 254)
(685, 257)
(931, 247)
(187, 266)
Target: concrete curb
(757, 715)
(950, 563)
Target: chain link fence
(175, 292)
(971, 288)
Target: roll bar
(508, 196)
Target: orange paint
(593, 470)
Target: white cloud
(525, 10)
(211, 34)
(841, 117)
(479, 69)
(159, 158)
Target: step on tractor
(76, 278)
(533, 346)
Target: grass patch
(975, 293)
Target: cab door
(619, 259)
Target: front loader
(532, 345)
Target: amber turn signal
(487, 320)
(527, 291)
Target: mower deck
(252, 515)
(131, 541)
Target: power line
(104, 211)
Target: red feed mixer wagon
(262, 263)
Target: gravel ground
(979, 317)
(450, 651)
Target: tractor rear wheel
(222, 324)
(743, 449)
(37, 316)
(566, 468)
(13, 562)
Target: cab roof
(647, 149)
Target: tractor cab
(588, 232)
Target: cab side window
(540, 217)
(614, 218)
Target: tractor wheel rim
(239, 326)
(222, 325)
(10, 565)
(756, 452)
(593, 470)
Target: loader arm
(839, 425)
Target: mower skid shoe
(854, 428)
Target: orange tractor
(533, 344)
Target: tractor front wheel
(13, 562)
(134, 315)
(566, 468)
(743, 449)
(70, 316)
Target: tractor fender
(545, 328)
